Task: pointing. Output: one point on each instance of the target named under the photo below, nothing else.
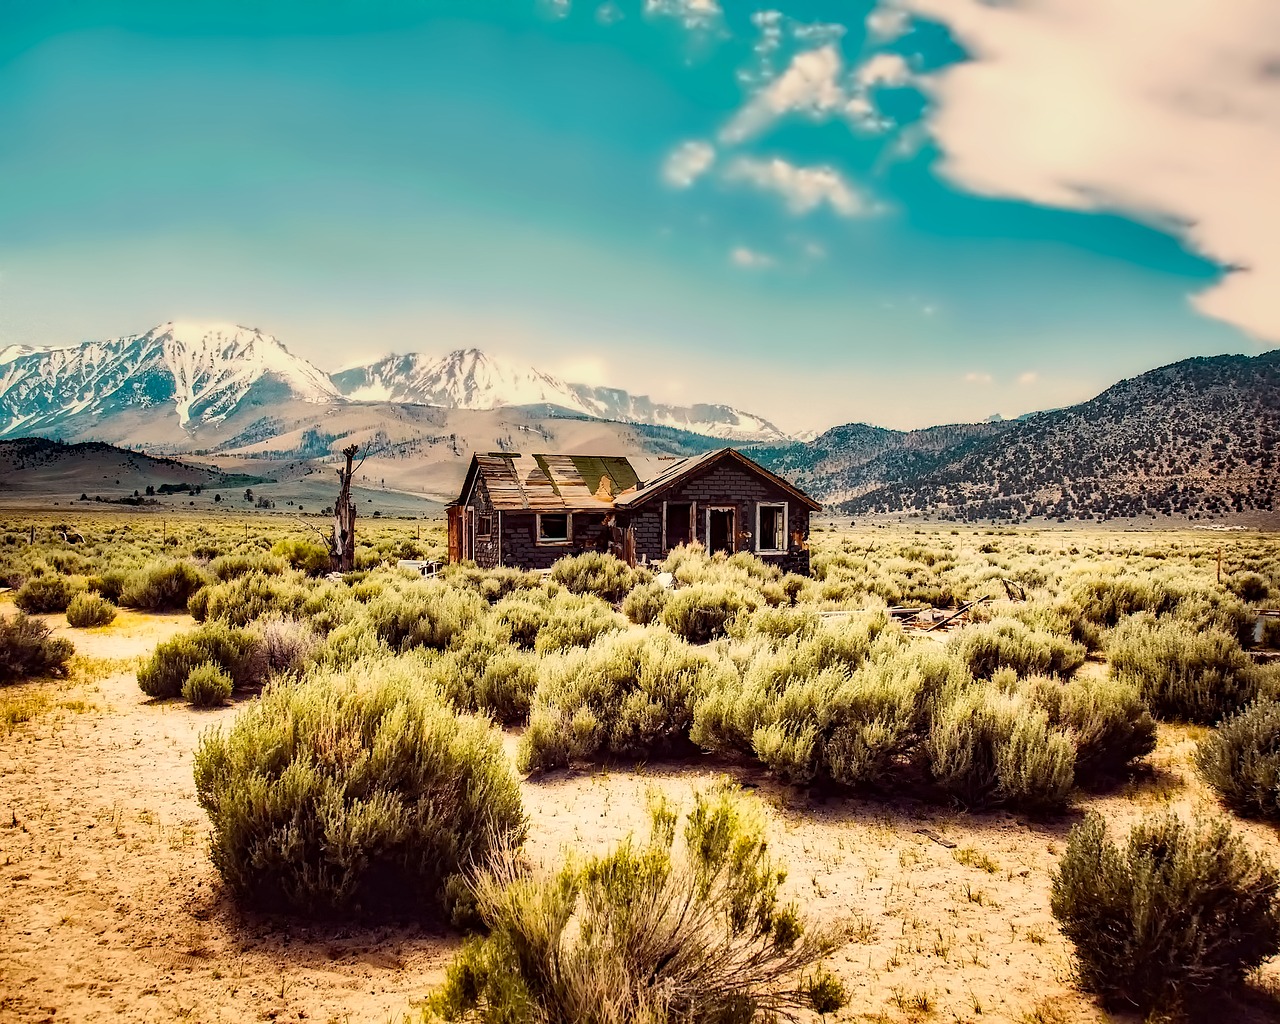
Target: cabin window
(553, 528)
(677, 524)
(771, 528)
(722, 530)
(484, 526)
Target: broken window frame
(782, 531)
(484, 526)
(732, 510)
(554, 541)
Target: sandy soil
(109, 909)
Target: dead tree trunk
(343, 548)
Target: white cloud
(803, 188)
(557, 8)
(1166, 111)
(816, 85)
(974, 377)
(687, 163)
(883, 69)
(692, 13)
(887, 23)
(741, 256)
(809, 86)
(1030, 377)
(609, 12)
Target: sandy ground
(110, 910)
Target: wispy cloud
(741, 256)
(1030, 377)
(687, 163)
(808, 86)
(692, 13)
(977, 377)
(1176, 121)
(804, 189)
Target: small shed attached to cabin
(527, 511)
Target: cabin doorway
(720, 530)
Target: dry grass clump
(50, 592)
(1010, 643)
(233, 650)
(28, 648)
(659, 931)
(249, 596)
(630, 696)
(1175, 913)
(359, 792)
(1183, 674)
(88, 609)
(644, 604)
(1241, 759)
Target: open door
(721, 530)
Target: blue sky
(821, 212)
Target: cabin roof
(559, 483)
(574, 483)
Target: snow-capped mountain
(470, 379)
(200, 373)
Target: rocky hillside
(1196, 439)
(850, 460)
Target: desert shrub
(1270, 633)
(644, 604)
(255, 595)
(575, 621)
(604, 576)
(214, 643)
(89, 609)
(284, 646)
(1176, 912)
(47, 593)
(522, 617)
(28, 648)
(658, 930)
(426, 614)
(233, 566)
(1250, 586)
(161, 586)
(1241, 759)
(987, 747)
(1009, 643)
(1107, 600)
(1183, 674)
(630, 696)
(206, 686)
(483, 672)
(809, 711)
(702, 612)
(354, 792)
(776, 624)
(110, 584)
(1106, 719)
(304, 554)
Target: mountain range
(1196, 439)
(196, 379)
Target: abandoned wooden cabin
(527, 511)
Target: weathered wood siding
(727, 485)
